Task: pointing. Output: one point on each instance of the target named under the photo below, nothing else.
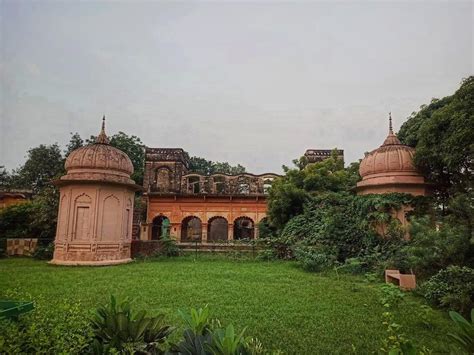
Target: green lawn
(285, 307)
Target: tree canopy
(289, 193)
(208, 167)
(443, 135)
(43, 164)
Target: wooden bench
(404, 281)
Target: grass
(285, 307)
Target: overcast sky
(255, 83)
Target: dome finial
(102, 137)
(390, 128)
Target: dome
(392, 156)
(390, 168)
(99, 156)
(98, 161)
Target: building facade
(201, 208)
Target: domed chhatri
(96, 206)
(390, 168)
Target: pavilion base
(89, 263)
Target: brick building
(203, 208)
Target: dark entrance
(244, 228)
(217, 229)
(160, 227)
(191, 229)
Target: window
(191, 229)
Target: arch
(83, 198)
(267, 184)
(191, 229)
(82, 217)
(217, 229)
(110, 218)
(243, 188)
(160, 227)
(162, 178)
(219, 184)
(193, 184)
(244, 228)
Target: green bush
(44, 252)
(117, 328)
(451, 288)
(169, 247)
(314, 259)
(62, 329)
(353, 266)
(432, 248)
(206, 336)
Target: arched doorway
(217, 229)
(191, 229)
(160, 227)
(244, 228)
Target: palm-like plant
(117, 326)
(464, 334)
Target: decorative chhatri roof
(99, 161)
(391, 156)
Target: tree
(5, 179)
(208, 167)
(289, 193)
(443, 136)
(74, 143)
(43, 164)
(134, 148)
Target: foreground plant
(205, 336)
(464, 332)
(116, 327)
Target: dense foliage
(62, 329)
(31, 219)
(316, 217)
(208, 167)
(43, 164)
(432, 248)
(115, 328)
(451, 288)
(443, 136)
(289, 193)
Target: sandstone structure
(203, 208)
(96, 206)
(390, 168)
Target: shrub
(206, 336)
(267, 254)
(116, 327)
(390, 295)
(353, 266)
(314, 259)
(463, 335)
(62, 329)
(44, 252)
(169, 247)
(451, 288)
(431, 249)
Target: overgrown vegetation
(316, 218)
